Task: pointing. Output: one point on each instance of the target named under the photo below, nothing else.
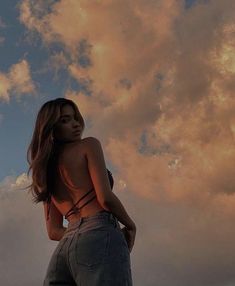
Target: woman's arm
(54, 222)
(107, 199)
(97, 168)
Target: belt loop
(81, 221)
(114, 219)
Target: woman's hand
(129, 234)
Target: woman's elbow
(51, 235)
(106, 201)
(56, 234)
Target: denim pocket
(91, 247)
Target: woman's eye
(64, 120)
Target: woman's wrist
(131, 226)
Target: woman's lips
(77, 132)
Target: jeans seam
(68, 253)
(58, 253)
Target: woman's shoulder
(90, 142)
(80, 146)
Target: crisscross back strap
(74, 209)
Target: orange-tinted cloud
(17, 81)
(153, 69)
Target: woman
(69, 176)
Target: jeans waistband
(99, 220)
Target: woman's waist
(102, 219)
(77, 213)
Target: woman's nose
(76, 123)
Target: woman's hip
(97, 248)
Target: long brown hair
(42, 153)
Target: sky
(154, 81)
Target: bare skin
(82, 173)
(73, 165)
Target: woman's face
(67, 128)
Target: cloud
(17, 81)
(158, 90)
(175, 244)
(25, 248)
(175, 97)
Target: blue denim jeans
(92, 252)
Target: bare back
(74, 170)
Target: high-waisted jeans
(92, 252)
